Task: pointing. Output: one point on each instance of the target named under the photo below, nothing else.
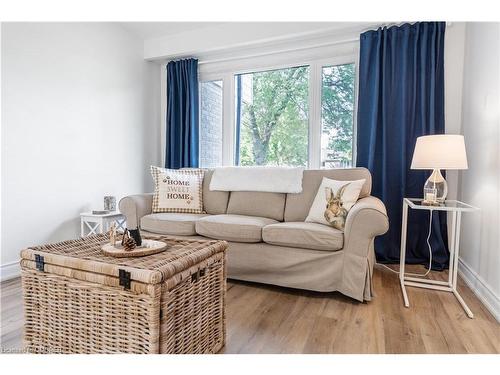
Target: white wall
(480, 184)
(79, 121)
(454, 45)
(153, 122)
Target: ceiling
(147, 30)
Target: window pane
(337, 110)
(211, 124)
(272, 117)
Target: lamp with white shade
(438, 152)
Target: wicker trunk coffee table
(77, 300)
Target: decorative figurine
(136, 235)
(112, 234)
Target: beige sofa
(270, 243)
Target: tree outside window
(272, 115)
(337, 110)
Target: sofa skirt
(321, 271)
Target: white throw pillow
(258, 178)
(178, 190)
(333, 201)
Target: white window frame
(254, 65)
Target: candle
(109, 203)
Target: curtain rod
(390, 24)
(202, 61)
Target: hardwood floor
(267, 319)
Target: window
(272, 115)
(337, 113)
(210, 124)
(268, 110)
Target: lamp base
(435, 189)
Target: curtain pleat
(182, 145)
(401, 97)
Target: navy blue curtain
(401, 97)
(182, 114)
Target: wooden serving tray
(148, 247)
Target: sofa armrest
(134, 207)
(366, 220)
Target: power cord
(430, 253)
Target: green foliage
(275, 124)
(274, 128)
(337, 110)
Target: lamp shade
(443, 151)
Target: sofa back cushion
(255, 203)
(214, 202)
(298, 205)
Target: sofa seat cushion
(237, 228)
(171, 223)
(304, 235)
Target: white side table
(456, 208)
(94, 224)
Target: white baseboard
(10, 270)
(480, 288)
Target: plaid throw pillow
(178, 190)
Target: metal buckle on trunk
(40, 262)
(124, 278)
(196, 276)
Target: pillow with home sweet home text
(178, 190)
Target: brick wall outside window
(211, 124)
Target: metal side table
(456, 208)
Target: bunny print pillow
(333, 201)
